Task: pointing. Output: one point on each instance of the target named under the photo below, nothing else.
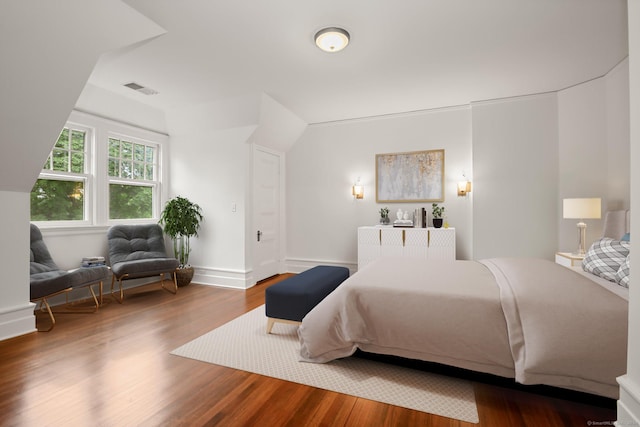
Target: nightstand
(568, 259)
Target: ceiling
(403, 56)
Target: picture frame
(416, 176)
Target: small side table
(568, 259)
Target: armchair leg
(95, 299)
(44, 303)
(175, 283)
(113, 279)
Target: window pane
(127, 170)
(77, 162)
(63, 139)
(138, 170)
(54, 200)
(126, 150)
(148, 174)
(138, 153)
(114, 167)
(130, 201)
(149, 154)
(77, 140)
(114, 147)
(60, 160)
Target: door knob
(259, 234)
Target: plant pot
(184, 275)
(384, 220)
(437, 222)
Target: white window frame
(155, 184)
(96, 169)
(87, 177)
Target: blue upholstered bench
(290, 300)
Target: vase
(437, 222)
(184, 275)
(385, 220)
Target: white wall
(617, 138)
(16, 313)
(515, 165)
(629, 403)
(582, 155)
(322, 216)
(210, 169)
(593, 129)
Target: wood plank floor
(113, 368)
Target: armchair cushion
(138, 251)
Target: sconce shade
(464, 187)
(332, 39)
(581, 208)
(357, 191)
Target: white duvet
(528, 319)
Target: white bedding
(528, 319)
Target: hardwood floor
(113, 368)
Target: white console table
(427, 243)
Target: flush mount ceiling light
(332, 39)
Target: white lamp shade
(581, 208)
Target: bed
(524, 318)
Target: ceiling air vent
(141, 89)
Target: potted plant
(384, 216)
(180, 220)
(437, 212)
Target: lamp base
(582, 237)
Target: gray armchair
(48, 280)
(137, 251)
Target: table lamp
(581, 209)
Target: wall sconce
(464, 187)
(357, 191)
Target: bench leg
(272, 320)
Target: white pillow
(605, 257)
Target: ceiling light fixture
(332, 39)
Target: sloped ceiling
(403, 56)
(46, 62)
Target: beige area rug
(244, 344)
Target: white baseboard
(293, 265)
(225, 278)
(238, 279)
(629, 402)
(15, 321)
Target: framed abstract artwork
(416, 176)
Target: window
(132, 178)
(99, 172)
(60, 193)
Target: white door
(266, 202)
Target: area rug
(244, 344)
